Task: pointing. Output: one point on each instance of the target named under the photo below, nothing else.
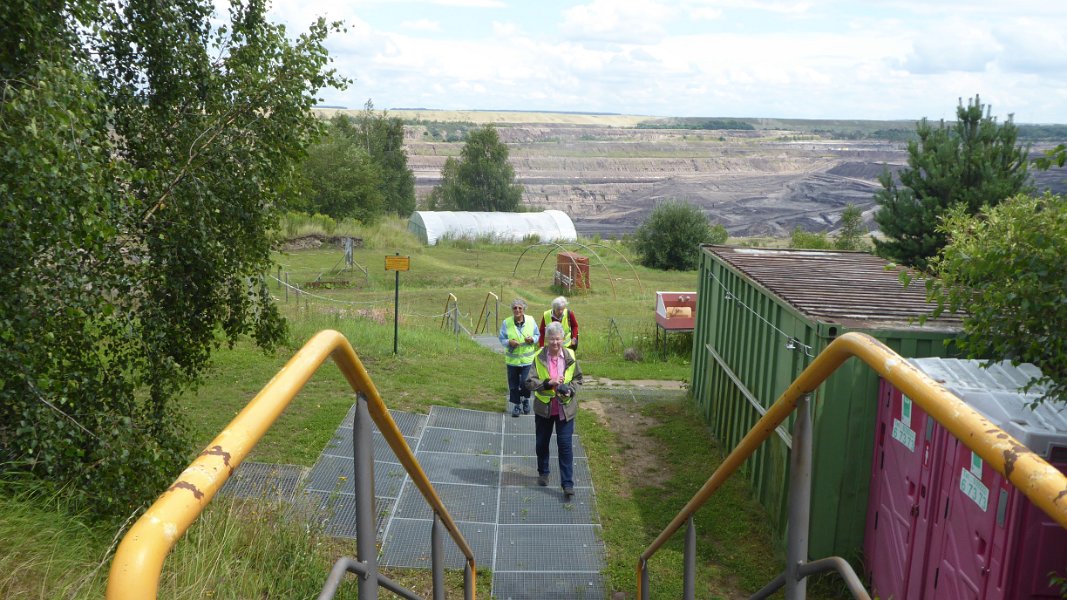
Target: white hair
(559, 302)
(554, 329)
(518, 302)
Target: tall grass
(387, 232)
(236, 550)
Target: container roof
(852, 289)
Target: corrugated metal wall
(742, 362)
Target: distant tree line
(704, 124)
(1033, 133)
(443, 131)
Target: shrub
(669, 238)
(809, 239)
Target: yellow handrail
(449, 301)
(138, 561)
(485, 313)
(1043, 484)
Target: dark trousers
(564, 447)
(517, 383)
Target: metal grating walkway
(483, 467)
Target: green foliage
(1004, 267)
(360, 169)
(140, 180)
(1055, 157)
(481, 180)
(815, 240)
(851, 236)
(974, 162)
(385, 139)
(342, 179)
(670, 237)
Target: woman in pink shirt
(555, 380)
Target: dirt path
(638, 455)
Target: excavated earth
(755, 183)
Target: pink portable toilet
(989, 541)
(899, 507)
(940, 523)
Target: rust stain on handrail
(1043, 484)
(138, 562)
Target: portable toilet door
(1039, 545)
(899, 511)
(963, 554)
(989, 541)
(995, 544)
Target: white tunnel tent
(549, 225)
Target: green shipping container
(762, 316)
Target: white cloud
(1032, 45)
(900, 59)
(952, 46)
(632, 21)
(421, 25)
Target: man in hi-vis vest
(554, 380)
(518, 335)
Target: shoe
(542, 480)
(568, 493)
(526, 406)
(516, 411)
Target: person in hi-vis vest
(555, 380)
(518, 335)
(559, 313)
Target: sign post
(397, 263)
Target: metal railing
(482, 326)
(450, 320)
(138, 562)
(1039, 481)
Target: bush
(1004, 267)
(669, 238)
(812, 240)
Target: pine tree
(852, 229)
(974, 162)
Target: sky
(810, 59)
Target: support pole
(437, 559)
(396, 309)
(468, 582)
(689, 585)
(796, 587)
(643, 592)
(366, 531)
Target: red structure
(572, 271)
(675, 313)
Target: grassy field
(244, 551)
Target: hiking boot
(525, 406)
(568, 493)
(542, 480)
(516, 411)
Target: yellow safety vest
(542, 372)
(523, 353)
(563, 320)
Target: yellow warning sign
(397, 263)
